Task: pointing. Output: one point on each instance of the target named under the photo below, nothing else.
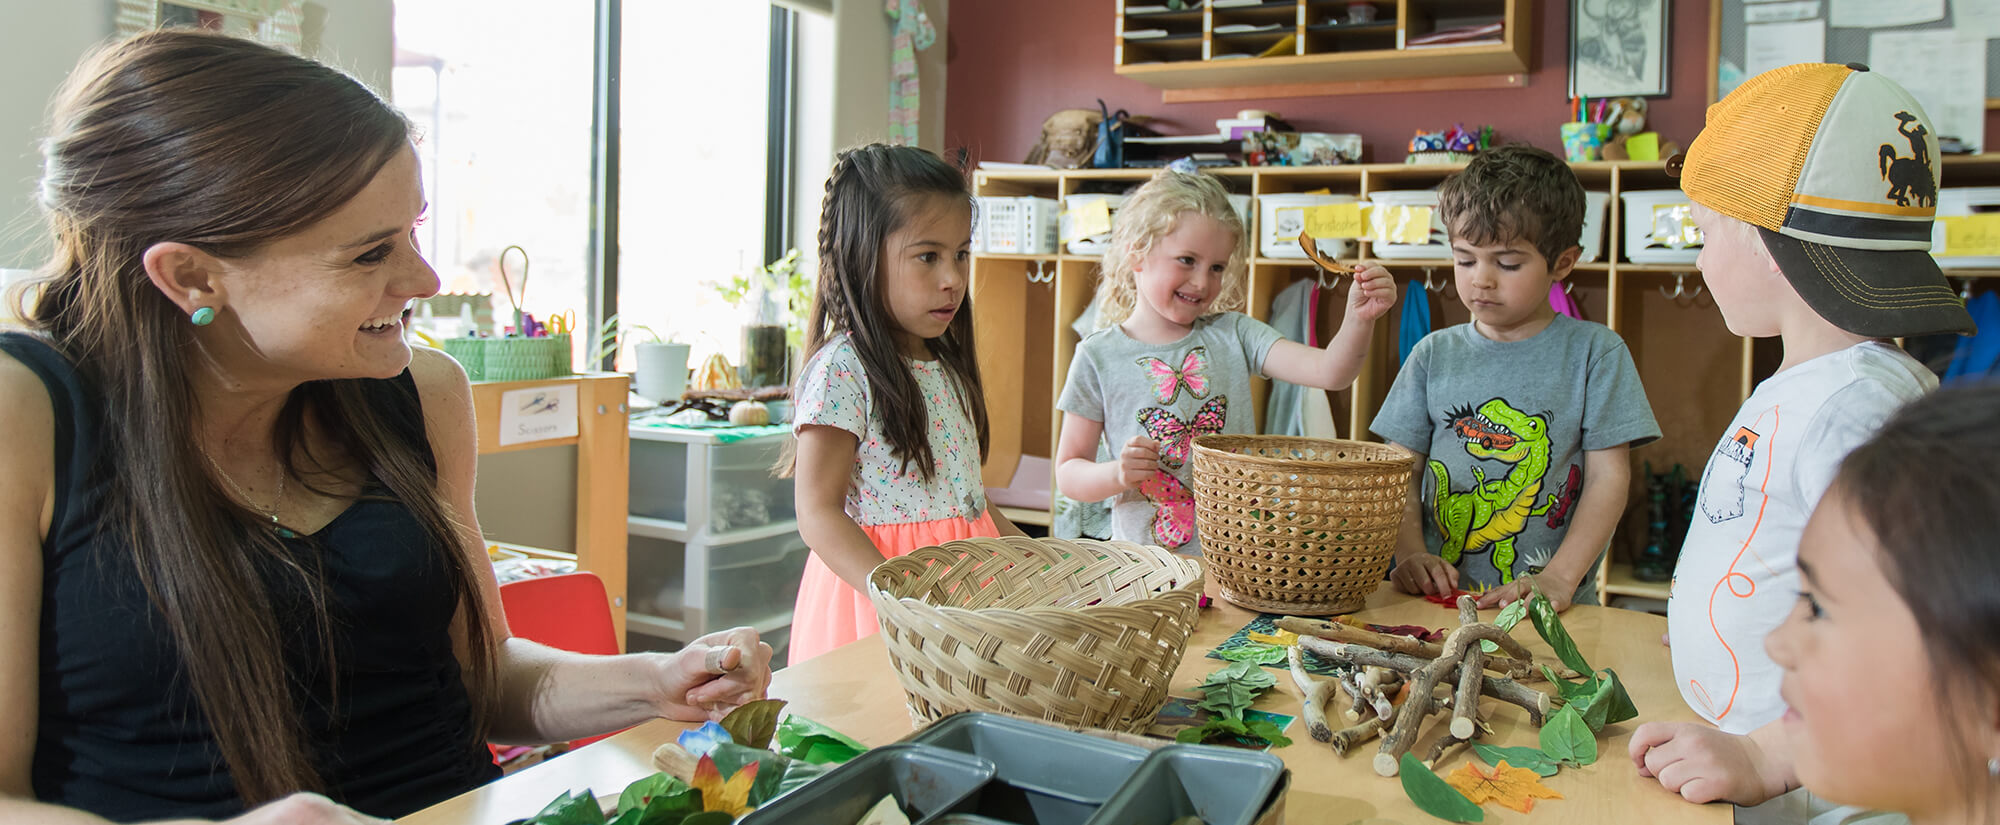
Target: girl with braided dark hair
(890, 414)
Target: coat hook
(1680, 287)
(1965, 289)
(1569, 287)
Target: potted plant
(660, 369)
(778, 297)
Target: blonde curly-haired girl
(1174, 353)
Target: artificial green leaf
(1254, 653)
(1531, 758)
(709, 818)
(1245, 672)
(1550, 626)
(570, 809)
(631, 817)
(752, 724)
(1268, 731)
(1192, 736)
(1618, 704)
(806, 740)
(1434, 795)
(1229, 698)
(639, 793)
(1509, 616)
(796, 775)
(1566, 738)
(731, 758)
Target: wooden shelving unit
(1696, 372)
(1211, 53)
(603, 457)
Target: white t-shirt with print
(1737, 578)
(834, 392)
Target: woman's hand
(714, 675)
(1704, 764)
(303, 809)
(1371, 295)
(1424, 574)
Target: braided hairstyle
(872, 192)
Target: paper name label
(1969, 235)
(1334, 220)
(538, 414)
(1093, 218)
(1401, 224)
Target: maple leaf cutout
(1516, 788)
(1282, 638)
(731, 797)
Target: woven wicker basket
(1076, 632)
(1303, 526)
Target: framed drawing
(1618, 48)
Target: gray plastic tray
(1045, 776)
(1223, 786)
(926, 780)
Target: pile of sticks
(1381, 662)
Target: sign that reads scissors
(538, 414)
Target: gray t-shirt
(1199, 385)
(1505, 426)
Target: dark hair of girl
(872, 192)
(225, 145)
(1925, 486)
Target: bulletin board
(1728, 42)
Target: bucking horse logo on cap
(1910, 177)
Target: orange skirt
(830, 614)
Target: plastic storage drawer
(752, 582)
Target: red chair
(569, 612)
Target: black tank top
(120, 733)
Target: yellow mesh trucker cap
(1837, 168)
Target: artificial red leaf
(1516, 788)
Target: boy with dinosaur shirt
(1524, 418)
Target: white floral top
(834, 393)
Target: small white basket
(1384, 214)
(1659, 227)
(1017, 226)
(1280, 218)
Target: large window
(708, 108)
(499, 91)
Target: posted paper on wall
(1945, 72)
(538, 414)
(1780, 12)
(1882, 14)
(1767, 46)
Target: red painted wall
(1013, 62)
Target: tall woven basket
(1304, 526)
(1077, 632)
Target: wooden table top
(853, 690)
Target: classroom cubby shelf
(1696, 372)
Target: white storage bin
(1280, 218)
(1384, 216)
(1090, 244)
(741, 492)
(1593, 226)
(1018, 226)
(1659, 227)
(658, 479)
(1964, 200)
(752, 582)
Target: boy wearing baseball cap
(1814, 186)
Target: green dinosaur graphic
(1494, 511)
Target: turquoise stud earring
(203, 316)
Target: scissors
(562, 323)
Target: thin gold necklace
(271, 512)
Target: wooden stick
(675, 761)
(1349, 737)
(1519, 664)
(1438, 748)
(1358, 698)
(1313, 694)
(1465, 704)
(1537, 703)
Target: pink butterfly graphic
(1173, 509)
(1176, 436)
(1167, 381)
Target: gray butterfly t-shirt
(1198, 385)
